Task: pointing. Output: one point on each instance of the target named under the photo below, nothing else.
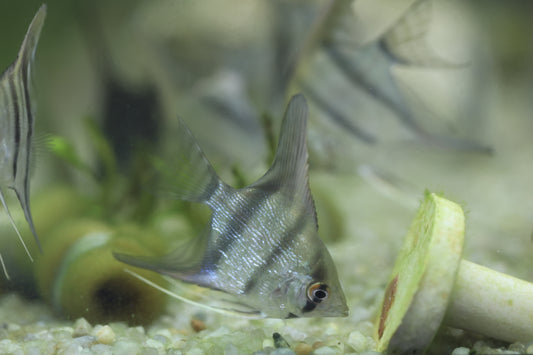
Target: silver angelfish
(261, 247)
(16, 125)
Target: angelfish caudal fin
(17, 122)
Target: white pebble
(101, 349)
(327, 350)
(161, 338)
(32, 350)
(84, 341)
(104, 335)
(283, 351)
(151, 343)
(8, 347)
(195, 351)
(81, 327)
(124, 347)
(461, 351)
(268, 343)
(357, 341)
(164, 332)
(70, 349)
(149, 351)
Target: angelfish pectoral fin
(25, 203)
(172, 264)
(228, 308)
(2, 199)
(144, 262)
(183, 263)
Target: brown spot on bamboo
(387, 304)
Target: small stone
(8, 347)
(163, 332)
(151, 343)
(318, 345)
(149, 351)
(357, 341)
(102, 349)
(104, 334)
(327, 350)
(268, 343)
(81, 328)
(518, 347)
(161, 338)
(303, 349)
(125, 347)
(283, 351)
(84, 341)
(70, 349)
(32, 350)
(198, 325)
(461, 351)
(195, 351)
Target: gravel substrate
(41, 333)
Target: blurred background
(404, 96)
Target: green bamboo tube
(50, 208)
(56, 246)
(76, 273)
(79, 276)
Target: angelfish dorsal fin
(27, 49)
(288, 172)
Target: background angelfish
(261, 246)
(16, 125)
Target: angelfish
(16, 125)
(261, 247)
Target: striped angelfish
(261, 248)
(343, 72)
(16, 125)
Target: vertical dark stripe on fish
(285, 243)
(29, 113)
(29, 122)
(345, 65)
(233, 229)
(337, 117)
(309, 306)
(16, 126)
(319, 267)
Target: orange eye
(317, 292)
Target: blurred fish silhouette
(16, 125)
(261, 248)
(346, 68)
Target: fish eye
(317, 292)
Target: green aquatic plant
(76, 272)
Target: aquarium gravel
(37, 332)
(41, 333)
